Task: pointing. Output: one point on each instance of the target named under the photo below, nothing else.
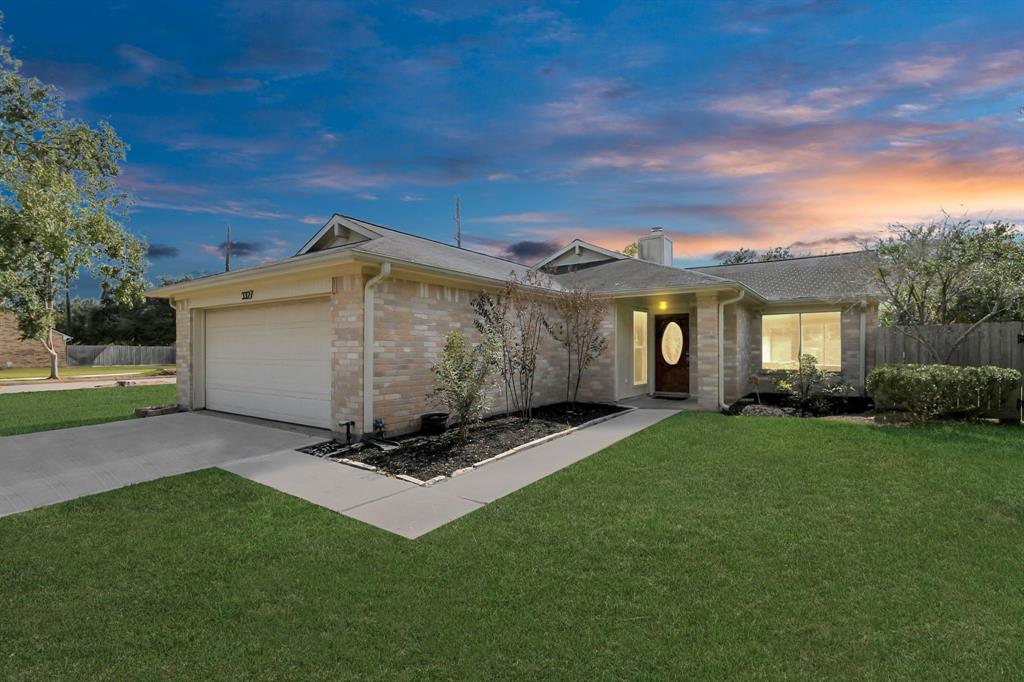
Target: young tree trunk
(48, 345)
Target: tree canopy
(745, 255)
(950, 272)
(60, 212)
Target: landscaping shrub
(808, 388)
(932, 391)
(462, 377)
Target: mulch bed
(426, 456)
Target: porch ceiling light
(662, 305)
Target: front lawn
(46, 410)
(20, 375)
(703, 547)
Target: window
(639, 347)
(784, 338)
(672, 343)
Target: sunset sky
(805, 123)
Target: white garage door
(271, 361)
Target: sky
(798, 123)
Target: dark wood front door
(672, 353)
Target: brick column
(183, 352)
(347, 352)
(707, 351)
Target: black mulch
(426, 456)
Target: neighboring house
(17, 353)
(285, 340)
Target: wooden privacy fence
(120, 355)
(999, 344)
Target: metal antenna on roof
(227, 251)
(458, 222)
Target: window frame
(646, 347)
(800, 339)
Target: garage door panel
(271, 361)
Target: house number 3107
(247, 295)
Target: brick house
(17, 353)
(285, 340)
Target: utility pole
(227, 251)
(458, 222)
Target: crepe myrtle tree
(59, 209)
(514, 317)
(952, 273)
(576, 324)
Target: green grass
(20, 375)
(704, 547)
(47, 410)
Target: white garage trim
(271, 361)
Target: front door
(672, 353)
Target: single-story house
(287, 340)
(15, 352)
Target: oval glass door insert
(672, 343)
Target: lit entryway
(271, 361)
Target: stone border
(519, 448)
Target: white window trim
(647, 380)
(800, 337)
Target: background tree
(576, 324)
(947, 273)
(59, 208)
(149, 323)
(745, 255)
(631, 250)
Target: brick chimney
(655, 247)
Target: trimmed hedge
(931, 391)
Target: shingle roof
(630, 274)
(841, 276)
(402, 246)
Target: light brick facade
(412, 317)
(411, 320)
(707, 351)
(30, 353)
(183, 352)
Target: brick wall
(411, 320)
(707, 351)
(347, 350)
(183, 352)
(739, 361)
(30, 353)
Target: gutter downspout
(368, 288)
(721, 347)
(863, 347)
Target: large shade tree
(956, 274)
(60, 212)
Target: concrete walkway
(410, 510)
(72, 384)
(39, 469)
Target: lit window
(639, 347)
(784, 338)
(672, 343)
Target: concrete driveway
(38, 469)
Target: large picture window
(784, 338)
(639, 347)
